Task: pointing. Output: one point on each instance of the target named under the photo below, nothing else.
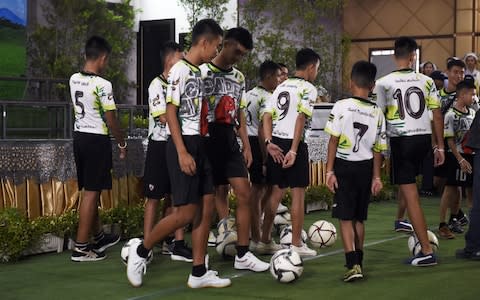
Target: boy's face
(439, 83)
(174, 58)
(455, 75)
(233, 51)
(211, 47)
(273, 80)
(466, 96)
(283, 74)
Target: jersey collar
(216, 68)
(162, 78)
(363, 100)
(405, 70)
(190, 65)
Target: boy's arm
(464, 164)
(274, 150)
(242, 132)
(297, 135)
(186, 161)
(117, 132)
(331, 153)
(377, 184)
(439, 152)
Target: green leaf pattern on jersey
(97, 105)
(345, 144)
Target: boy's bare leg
(298, 215)
(88, 215)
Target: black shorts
(189, 189)
(295, 176)
(256, 168)
(455, 175)
(352, 196)
(224, 154)
(93, 159)
(407, 155)
(156, 182)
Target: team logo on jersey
(156, 100)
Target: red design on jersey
(225, 111)
(465, 148)
(203, 117)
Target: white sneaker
(136, 266)
(281, 208)
(212, 239)
(250, 262)
(268, 248)
(303, 251)
(209, 279)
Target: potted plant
(318, 197)
(16, 234)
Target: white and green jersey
(157, 105)
(457, 126)
(406, 97)
(256, 103)
(360, 126)
(91, 96)
(293, 96)
(447, 99)
(184, 90)
(224, 93)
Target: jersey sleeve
(448, 130)
(431, 99)
(176, 85)
(334, 122)
(156, 100)
(381, 136)
(105, 95)
(243, 97)
(267, 107)
(307, 97)
(380, 95)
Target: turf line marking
(174, 290)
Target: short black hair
(282, 65)
(305, 57)
(404, 46)
(363, 74)
(241, 35)
(166, 49)
(467, 84)
(96, 46)
(205, 27)
(267, 68)
(455, 63)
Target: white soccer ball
(126, 248)
(286, 236)
(226, 243)
(283, 219)
(322, 234)
(414, 244)
(226, 224)
(286, 265)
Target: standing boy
(286, 117)
(406, 97)
(225, 99)
(188, 166)
(357, 138)
(156, 180)
(94, 106)
(260, 193)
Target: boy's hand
(465, 166)
(377, 186)
(247, 156)
(275, 152)
(438, 157)
(332, 183)
(187, 163)
(289, 159)
(123, 153)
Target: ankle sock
(351, 259)
(142, 251)
(199, 271)
(241, 251)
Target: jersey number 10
(405, 102)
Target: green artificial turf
(53, 276)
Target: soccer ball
(226, 224)
(414, 244)
(286, 265)
(226, 243)
(283, 219)
(126, 248)
(322, 234)
(286, 236)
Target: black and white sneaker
(463, 220)
(181, 253)
(106, 242)
(87, 254)
(455, 226)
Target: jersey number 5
(81, 112)
(405, 103)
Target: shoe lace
(141, 266)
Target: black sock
(81, 246)
(460, 214)
(452, 216)
(351, 259)
(180, 243)
(99, 236)
(359, 255)
(199, 271)
(241, 251)
(169, 240)
(442, 224)
(142, 251)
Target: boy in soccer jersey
(156, 180)
(405, 97)
(357, 139)
(287, 115)
(188, 166)
(450, 194)
(260, 193)
(459, 158)
(94, 106)
(225, 99)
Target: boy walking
(94, 106)
(357, 138)
(188, 165)
(285, 119)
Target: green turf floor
(53, 276)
